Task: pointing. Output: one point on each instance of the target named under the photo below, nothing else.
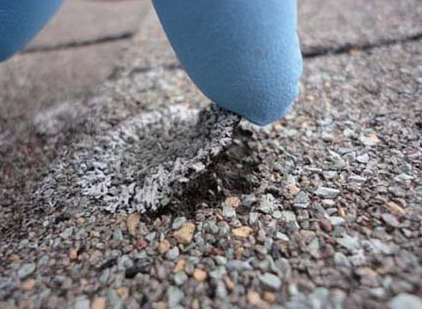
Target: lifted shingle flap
(132, 167)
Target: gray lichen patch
(132, 167)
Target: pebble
(80, 221)
(125, 262)
(349, 243)
(349, 133)
(26, 270)
(118, 235)
(293, 189)
(337, 220)
(390, 220)
(267, 204)
(253, 217)
(369, 140)
(229, 284)
(377, 292)
(28, 285)
(174, 296)
(271, 281)
(277, 214)
(160, 305)
(232, 201)
(73, 254)
(357, 179)
(328, 202)
(243, 231)
(319, 297)
(223, 229)
(301, 200)
(351, 156)
(254, 299)
(199, 275)
(99, 303)
(180, 278)
(178, 222)
(249, 200)
(395, 209)
(313, 248)
(379, 247)
(289, 216)
(151, 236)
(364, 159)
(164, 246)
(81, 234)
(403, 178)
(229, 212)
(221, 290)
(282, 236)
(180, 266)
(184, 234)
(218, 273)
(239, 265)
(220, 260)
(173, 254)
(270, 297)
(104, 276)
(133, 223)
(67, 233)
(327, 193)
(82, 303)
(114, 300)
(405, 301)
(341, 260)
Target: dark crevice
(69, 45)
(316, 52)
(230, 173)
(347, 48)
(313, 53)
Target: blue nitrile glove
(21, 20)
(243, 54)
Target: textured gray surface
(81, 21)
(34, 82)
(75, 62)
(353, 131)
(336, 24)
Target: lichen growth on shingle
(132, 167)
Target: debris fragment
(395, 209)
(133, 223)
(232, 201)
(243, 231)
(199, 275)
(270, 280)
(328, 193)
(164, 246)
(185, 234)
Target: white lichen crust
(132, 167)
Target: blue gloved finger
(243, 54)
(21, 20)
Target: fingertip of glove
(262, 106)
